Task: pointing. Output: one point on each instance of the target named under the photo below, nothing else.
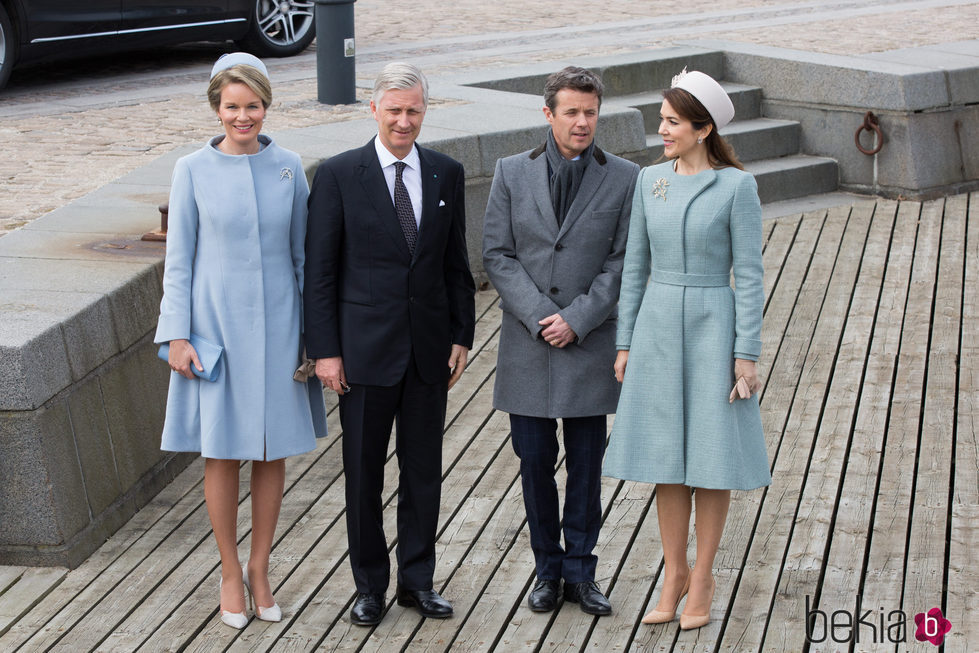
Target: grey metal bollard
(335, 79)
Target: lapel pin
(285, 173)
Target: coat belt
(684, 279)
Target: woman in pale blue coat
(688, 415)
(233, 276)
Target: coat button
(554, 290)
(559, 247)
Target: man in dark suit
(389, 319)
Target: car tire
(8, 47)
(280, 28)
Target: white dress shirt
(412, 176)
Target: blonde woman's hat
(226, 61)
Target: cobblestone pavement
(69, 128)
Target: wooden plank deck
(871, 411)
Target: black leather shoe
(428, 602)
(543, 598)
(588, 597)
(367, 609)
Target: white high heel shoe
(237, 620)
(271, 613)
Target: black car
(37, 30)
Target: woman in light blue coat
(233, 276)
(688, 416)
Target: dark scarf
(565, 176)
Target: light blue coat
(234, 276)
(685, 328)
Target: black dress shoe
(428, 602)
(588, 597)
(543, 598)
(367, 609)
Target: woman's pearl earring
(700, 140)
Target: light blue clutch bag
(208, 353)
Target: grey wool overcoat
(540, 269)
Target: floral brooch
(659, 188)
(285, 173)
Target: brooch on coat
(285, 173)
(659, 188)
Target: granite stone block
(477, 195)
(42, 496)
(622, 73)
(65, 275)
(80, 246)
(135, 306)
(135, 408)
(620, 130)
(843, 81)
(95, 451)
(118, 216)
(777, 180)
(962, 70)
(515, 141)
(87, 341)
(657, 72)
(25, 483)
(462, 147)
(34, 362)
(829, 132)
(965, 126)
(933, 149)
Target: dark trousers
(535, 442)
(366, 414)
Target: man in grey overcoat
(553, 243)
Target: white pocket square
(441, 202)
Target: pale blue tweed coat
(685, 328)
(233, 275)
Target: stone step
(620, 77)
(752, 140)
(746, 100)
(794, 176)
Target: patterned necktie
(402, 206)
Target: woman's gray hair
(400, 76)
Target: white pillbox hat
(709, 93)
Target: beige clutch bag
(740, 390)
(306, 369)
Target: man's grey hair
(399, 76)
(575, 78)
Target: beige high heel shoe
(692, 621)
(662, 616)
(271, 613)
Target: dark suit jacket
(365, 297)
